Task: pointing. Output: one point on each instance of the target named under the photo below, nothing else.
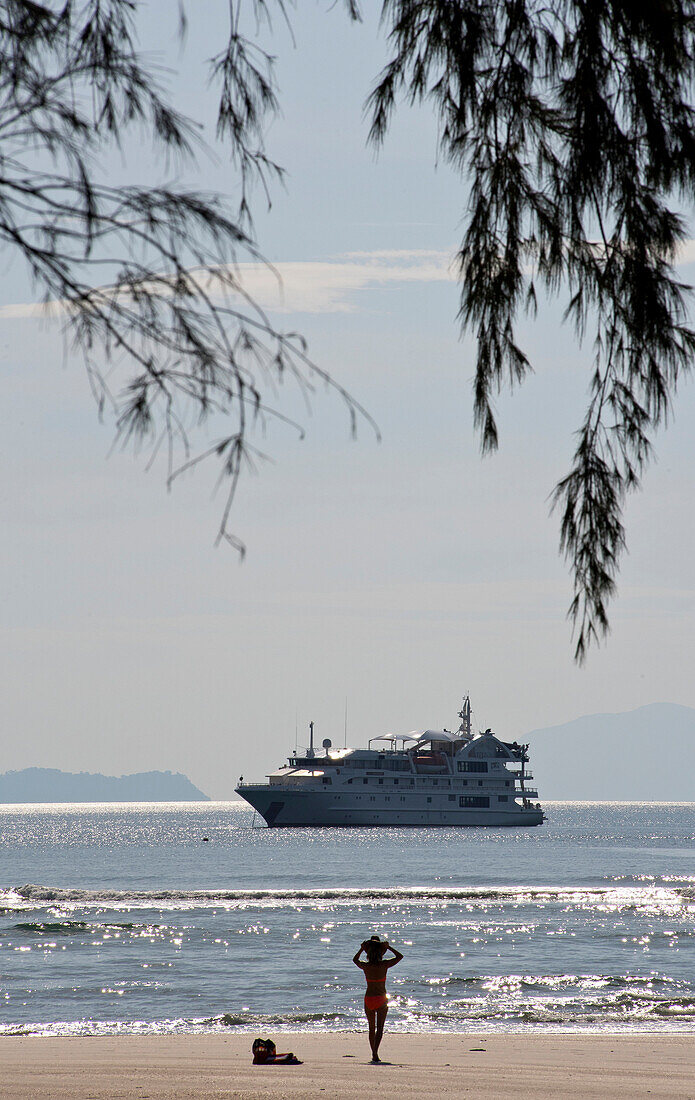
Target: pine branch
(569, 122)
(146, 280)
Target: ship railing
(519, 774)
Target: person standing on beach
(376, 1003)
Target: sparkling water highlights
(183, 918)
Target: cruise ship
(432, 777)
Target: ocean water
(122, 918)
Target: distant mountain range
(51, 785)
(645, 754)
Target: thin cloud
(45, 310)
(335, 285)
(313, 286)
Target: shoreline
(527, 1031)
(336, 1064)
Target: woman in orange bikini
(376, 1003)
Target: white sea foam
(614, 897)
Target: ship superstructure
(432, 777)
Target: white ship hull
(291, 808)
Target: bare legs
(376, 1020)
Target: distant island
(647, 754)
(52, 785)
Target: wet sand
(336, 1065)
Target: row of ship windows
(404, 765)
(463, 799)
(410, 782)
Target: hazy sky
(396, 575)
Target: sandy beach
(336, 1065)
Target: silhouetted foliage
(144, 275)
(571, 124)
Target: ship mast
(465, 716)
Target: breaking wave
(629, 1011)
(618, 897)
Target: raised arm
(397, 956)
(356, 958)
